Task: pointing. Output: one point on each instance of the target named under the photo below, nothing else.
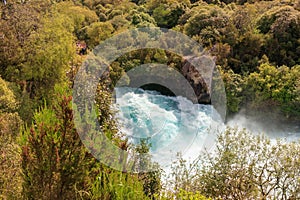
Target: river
(175, 124)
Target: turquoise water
(171, 124)
(175, 124)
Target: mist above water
(174, 124)
(265, 125)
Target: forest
(44, 43)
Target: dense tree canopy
(10, 152)
(282, 26)
(43, 43)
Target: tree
(167, 13)
(141, 19)
(54, 161)
(53, 48)
(36, 50)
(97, 32)
(10, 152)
(50, 51)
(208, 23)
(167, 17)
(247, 166)
(234, 86)
(278, 85)
(282, 26)
(80, 16)
(17, 23)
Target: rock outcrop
(192, 80)
(198, 71)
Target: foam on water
(172, 124)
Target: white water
(175, 124)
(172, 124)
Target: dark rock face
(166, 80)
(159, 88)
(198, 79)
(192, 80)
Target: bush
(54, 160)
(245, 166)
(10, 152)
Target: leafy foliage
(10, 151)
(51, 148)
(247, 166)
(243, 166)
(234, 86)
(256, 44)
(283, 27)
(277, 84)
(208, 23)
